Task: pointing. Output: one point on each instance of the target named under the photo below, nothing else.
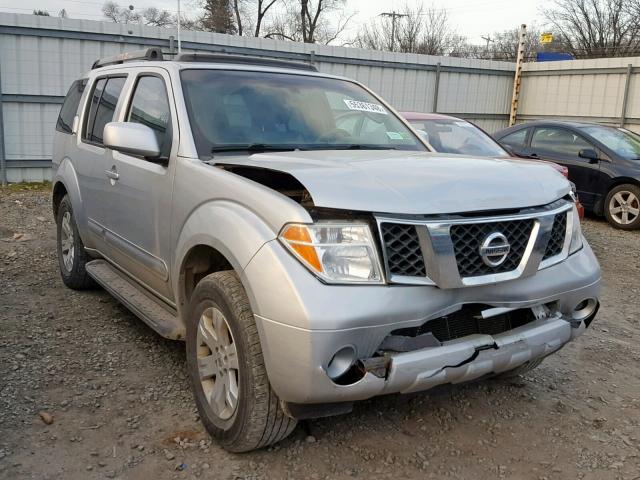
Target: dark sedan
(603, 163)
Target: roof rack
(243, 60)
(146, 54)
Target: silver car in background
(308, 261)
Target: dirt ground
(122, 407)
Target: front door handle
(112, 174)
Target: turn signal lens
(299, 240)
(335, 252)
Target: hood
(402, 182)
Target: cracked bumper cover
(292, 311)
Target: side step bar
(150, 310)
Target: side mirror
(132, 138)
(590, 154)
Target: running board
(150, 310)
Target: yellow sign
(546, 37)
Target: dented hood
(404, 182)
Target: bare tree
(157, 18)
(63, 13)
(505, 44)
(310, 21)
(596, 28)
(424, 30)
(41, 13)
(117, 14)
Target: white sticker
(365, 106)
(394, 135)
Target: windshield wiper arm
(252, 147)
(350, 146)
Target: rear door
(562, 146)
(93, 157)
(139, 209)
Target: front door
(562, 146)
(139, 210)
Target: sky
(470, 18)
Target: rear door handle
(112, 174)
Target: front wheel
(224, 358)
(622, 207)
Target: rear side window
(515, 139)
(70, 106)
(150, 107)
(103, 104)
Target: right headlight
(576, 232)
(335, 252)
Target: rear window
(70, 106)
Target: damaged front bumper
(303, 323)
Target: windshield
(458, 136)
(621, 141)
(235, 110)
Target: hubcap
(624, 207)
(217, 363)
(66, 242)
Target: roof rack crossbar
(153, 53)
(243, 60)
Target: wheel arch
(615, 182)
(219, 235)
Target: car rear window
(70, 106)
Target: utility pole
(393, 16)
(179, 43)
(488, 39)
(518, 76)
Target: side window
(515, 139)
(103, 104)
(558, 141)
(150, 106)
(70, 106)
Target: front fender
(231, 229)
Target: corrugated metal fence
(41, 56)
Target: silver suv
(304, 242)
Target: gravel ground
(120, 404)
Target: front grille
(467, 239)
(469, 321)
(558, 232)
(404, 256)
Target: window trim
(129, 104)
(87, 106)
(556, 127)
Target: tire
(72, 257)
(622, 207)
(521, 370)
(221, 322)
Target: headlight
(576, 232)
(335, 252)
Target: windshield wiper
(253, 147)
(349, 146)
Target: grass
(27, 187)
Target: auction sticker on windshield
(365, 106)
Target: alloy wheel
(67, 242)
(624, 207)
(218, 363)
